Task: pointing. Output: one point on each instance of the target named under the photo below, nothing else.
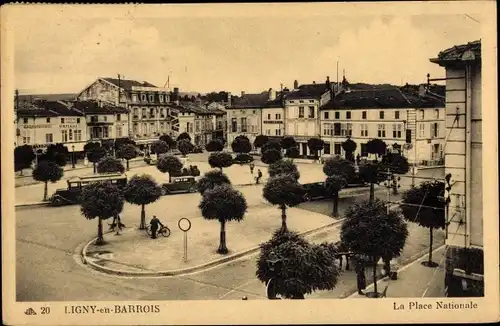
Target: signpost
(185, 225)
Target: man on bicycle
(155, 222)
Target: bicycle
(164, 231)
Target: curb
(186, 270)
(430, 167)
(35, 204)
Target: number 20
(45, 310)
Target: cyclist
(154, 226)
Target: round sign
(184, 224)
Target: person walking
(155, 222)
(252, 166)
(360, 274)
(259, 176)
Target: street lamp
(73, 154)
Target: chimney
(228, 98)
(272, 94)
(314, 82)
(296, 84)
(242, 93)
(176, 90)
(421, 90)
(327, 82)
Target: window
(326, 115)
(48, 120)
(311, 101)
(278, 132)
(197, 126)
(105, 118)
(301, 111)
(337, 115)
(363, 115)
(118, 131)
(48, 138)
(62, 120)
(162, 99)
(396, 115)
(268, 132)
(25, 120)
(397, 131)
(381, 130)
(233, 125)
(70, 134)
(336, 129)
(77, 120)
(434, 129)
(421, 114)
(26, 140)
(292, 102)
(93, 118)
(269, 116)
(243, 124)
(381, 115)
(348, 115)
(253, 112)
(337, 149)
(105, 132)
(327, 129)
(301, 101)
(436, 114)
(422, 130)
(326, 148)
(278, 116)
(346, 129)
(364, 130)
(118, 117)
(311, 112)
(78, 135)
(143, 97)
(64, 136)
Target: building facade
(463, 161)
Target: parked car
(315, 190)
(71, 194)
(197, 149)
(179, 185)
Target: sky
(62, 53)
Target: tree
(376, 146)
(102, 200)
(349, 147)
(119, 142)
(215, 145)
(284, 167)
(128, 152)
(211, 179)
(142, 190)
(23, 157)
(224, 204)
(95, 154)
(167, 139)
(220, 160)
(169, 164)
(315, 145)
(369, 230)
(159, 147)
(292, 152)
(260, 140)
(271, 156)
(295, 266)
(395, 163)
(271, 144)
(110, 165)
(241, 144)
(46, 171)
(184, 146)
(416, 208)
(182, 136)
(339, 172)
(369, 172)
(288, 142)
(91, 145)
(56, 153)
(283, 190)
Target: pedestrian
(259, 176)
(386, 269)
(252, 166)
(358, 158)
(155, 222)
(360, 274)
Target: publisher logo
(30, 312)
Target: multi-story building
(149, 107)
(463, 160)
(273, 115)
(220, 120)
(198, 121)
(407, 121)
(302, 106)
(43, 123)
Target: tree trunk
(335, 212)
(128, 167)
(430, 244)
(395, 189)
(222, 246)
(169, 177)
(142, 226)
(375, 277)
(100, 238)
(93, 163)
(45, 191)
(283, 218)
(372, 192)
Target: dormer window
(143, 97)
(162, 98)
(151, 98)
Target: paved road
(48, 268)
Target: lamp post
(73, 155)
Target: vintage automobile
(316, 190)
(180, 185)
(71, 195)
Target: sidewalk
(414, 279)
(135, 252)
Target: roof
(260, 100)
(380, 98)
(454, 55)
(93, 107)
(308, 91)
(127, 83)
(59, 107)
(47, 97)
(34, 113)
